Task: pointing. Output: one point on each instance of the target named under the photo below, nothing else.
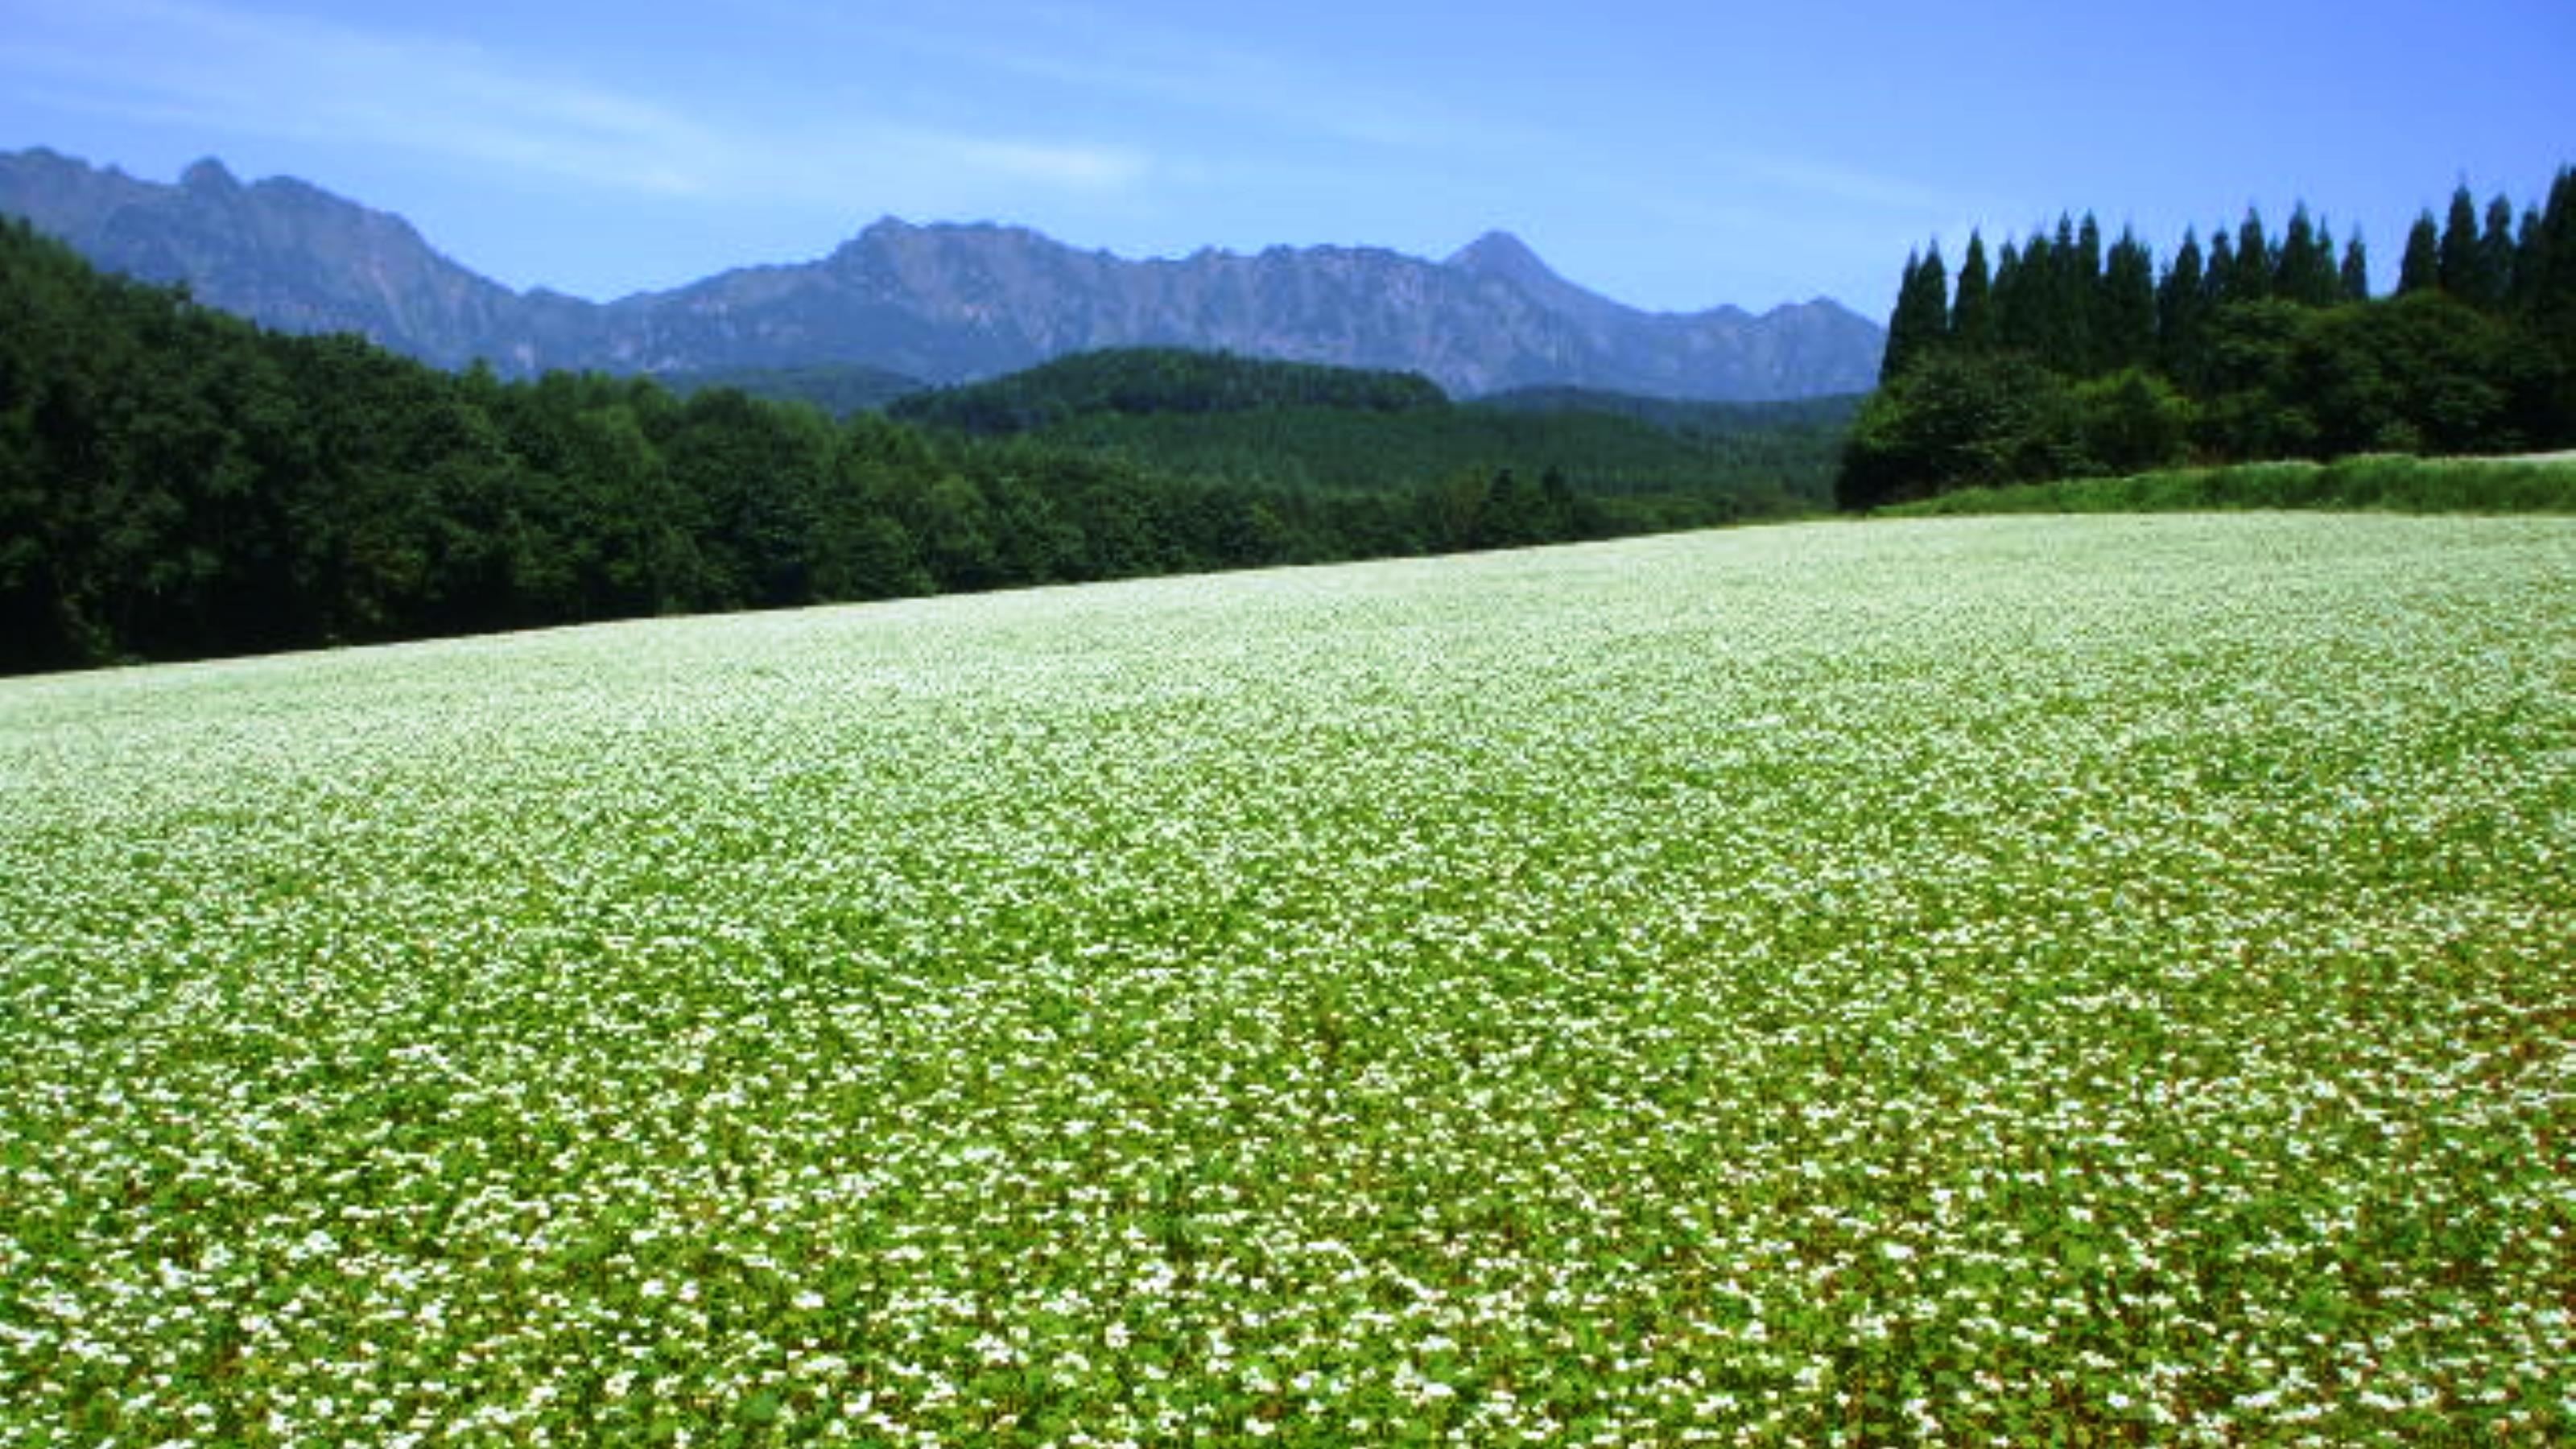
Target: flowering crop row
(1982, 982)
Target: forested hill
(1144, 380)
(176, 482)
(1148, 380)
(1688, 416)
(1300, 428)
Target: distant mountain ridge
(944, 303)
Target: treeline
(2380, 482)
(2069, 358)
(1148, 380)
(176, 483)
(1639, 475)
(838, 388)
(1297, 428)
(1688, 417)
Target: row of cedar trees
(2230, 351)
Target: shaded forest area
(2067, 360)
(177, 483)
(1272, 427)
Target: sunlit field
(1969, 981)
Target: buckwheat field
(1982, 982)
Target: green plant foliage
(2130, 420)
(1959, 417)
(1964, 981)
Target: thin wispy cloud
(1826, 180)
(1121, 59)
(231, 70)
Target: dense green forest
(1691, 417)
(838, 388)
(1299, 428)
(2066, 359)
(1151, 380)
(176, 482)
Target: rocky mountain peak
(209, 177)
(942, 302)
(1501, 254)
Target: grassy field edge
(2384, 482)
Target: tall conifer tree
(2065, 335)
(1901, 344)
(2356, 269)
(2249, 276)
(2495, 256)
(2010, 295)
(2460, 257)
(2215, 282)
(2090, 302)
(2304, 271)
(2526, 263)
(2088, 250)
(2028, 323)
(2182, 309)
(2420, 270)
(2178, 296)
(2553, 286)
(1922, 317)
(1932, 321)
(1972, 315)
(2127, 335)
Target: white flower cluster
(1951, 982)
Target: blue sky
(1672, 156)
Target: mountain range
(943, 303)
